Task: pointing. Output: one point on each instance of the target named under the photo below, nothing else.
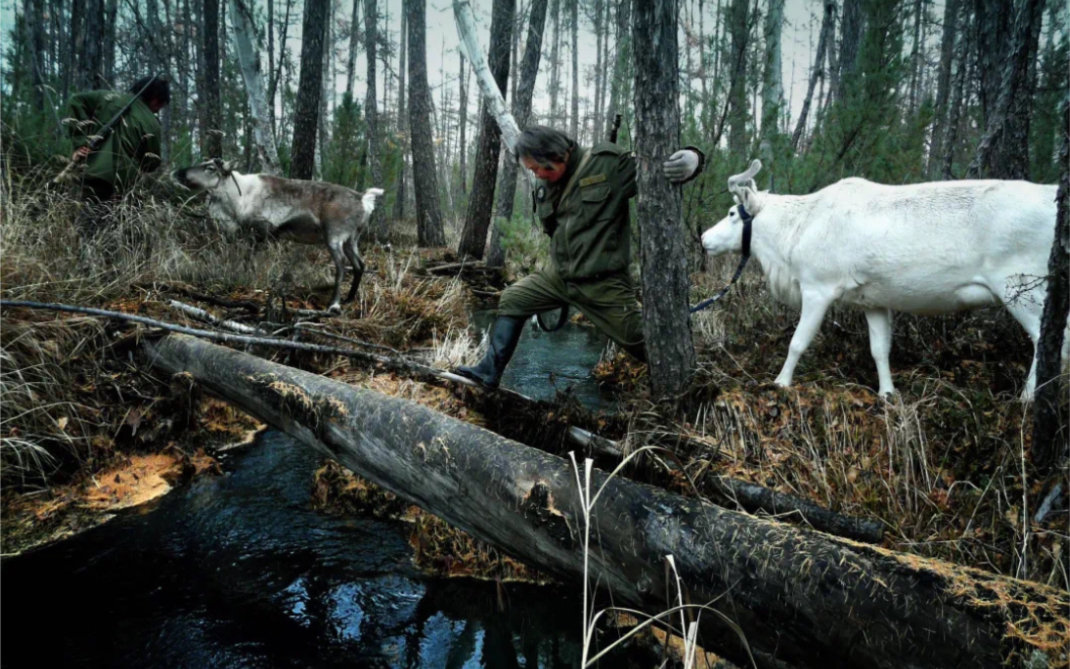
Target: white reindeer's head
(206, 176)
(727, 235)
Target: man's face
(155, 105)
(550, 173)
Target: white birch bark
(249, 58)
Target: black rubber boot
(503, 339)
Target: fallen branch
(202, 315)
(799, 597)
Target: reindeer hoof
(335, 308)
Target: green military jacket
(589, 228)
(133, 145)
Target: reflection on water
(239, 571)
(548, 362)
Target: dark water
(238, 571)
(548, 362)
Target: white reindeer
(306, 212)
(923, 249)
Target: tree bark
(354, 46)
(623, 62)
(1050, 432)
(91, 64)
(574, 128)
(739, 30)
(819, 72)
(429, 228)
(943, 84)
(850, 44)
(378, 223)
(323, 127)
(463, 99)
(481, 201)
(528, 71)
(35, 20)
(664, 242)
(211, 130)
(249, 58)
(799, 598)
(1003, 152)
(772, 84)
(403, 133)
(309, 89)
(993, 20)
(555, 65)
(958, 100)
(596, 135)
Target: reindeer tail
(368, 200)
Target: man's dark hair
(160, 89)
(543, 144)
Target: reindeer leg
(814, 306)
(350, 248)
(880, 345)
(340, 268)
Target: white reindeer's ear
(752, 199)
(737, 181)
(228, 166)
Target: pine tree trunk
(35, 20)
(464, 126)
(429, 228)
(260, 112)
(323, 128)
(1003, 152)
(309, 89)
(481, 202)
(574, 128)
(402, 122)
(212, 131)
(772, 84)
(994, 36)
(378, 223)
(915, 60)
(737, 96)
(850, 44)
(598, 67)
(664, 244)
(354, 45)
(91, 64)
(958, 99)
(525, 91)
(1050, 430)
(943, 84)
(819, 72)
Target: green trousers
(609, 303)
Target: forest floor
(88, 429)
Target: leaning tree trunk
(245, 37)
(481, 201)
(664, 243)
(799, 598)
(528, 71)
(212, 130)
(429, 228)
(827, 24)
(1050, 431)
(309, 88)
(378, 223)
(1004, 149)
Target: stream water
(239, 571)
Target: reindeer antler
(737, 180)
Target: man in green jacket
(132, 147)
(581, 197)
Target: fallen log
(801, 598)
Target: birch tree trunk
(819, 72)
(1050, 431)
(378, 222)
(429, 228)
(1003, 152)
(481, 201)
(664, 244)
(249, 58)
(528, 71)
